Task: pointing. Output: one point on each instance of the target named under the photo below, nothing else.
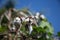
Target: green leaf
(46, 24)
(3, 29)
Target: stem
(1, 19)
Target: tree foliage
(58, 33)
(9, 4)
(44, 27)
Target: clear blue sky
(50, 8)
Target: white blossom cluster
(29, 19)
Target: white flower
(36, 17)
(42, 16)
(37, 14)
(23, 18)
(17, 19)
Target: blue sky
(50, 8)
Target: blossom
(42, 16)
(17, 19)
